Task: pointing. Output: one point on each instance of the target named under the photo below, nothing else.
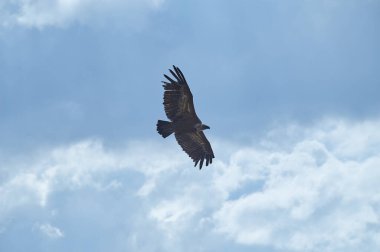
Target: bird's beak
(206, 127)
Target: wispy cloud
(51, 231)
(61, 13)
(299, 189)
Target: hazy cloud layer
(273, 61)
(299, 189)
(61, 13)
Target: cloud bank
(299, 189)
(62, 13)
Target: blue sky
(290, 90)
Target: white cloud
(299, 189)
(51, 231)
(319, 194)
(61, 13)
(173, 216)
(81, 165)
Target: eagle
(184, 122)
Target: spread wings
(196, 145)
(178, 99)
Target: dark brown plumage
(184, 122)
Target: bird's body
(184, 122)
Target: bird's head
(204, 126)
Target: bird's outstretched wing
(196, 145)
(178, 99)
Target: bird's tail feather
(164, 128)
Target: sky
(290, 90)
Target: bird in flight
(184, 122)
